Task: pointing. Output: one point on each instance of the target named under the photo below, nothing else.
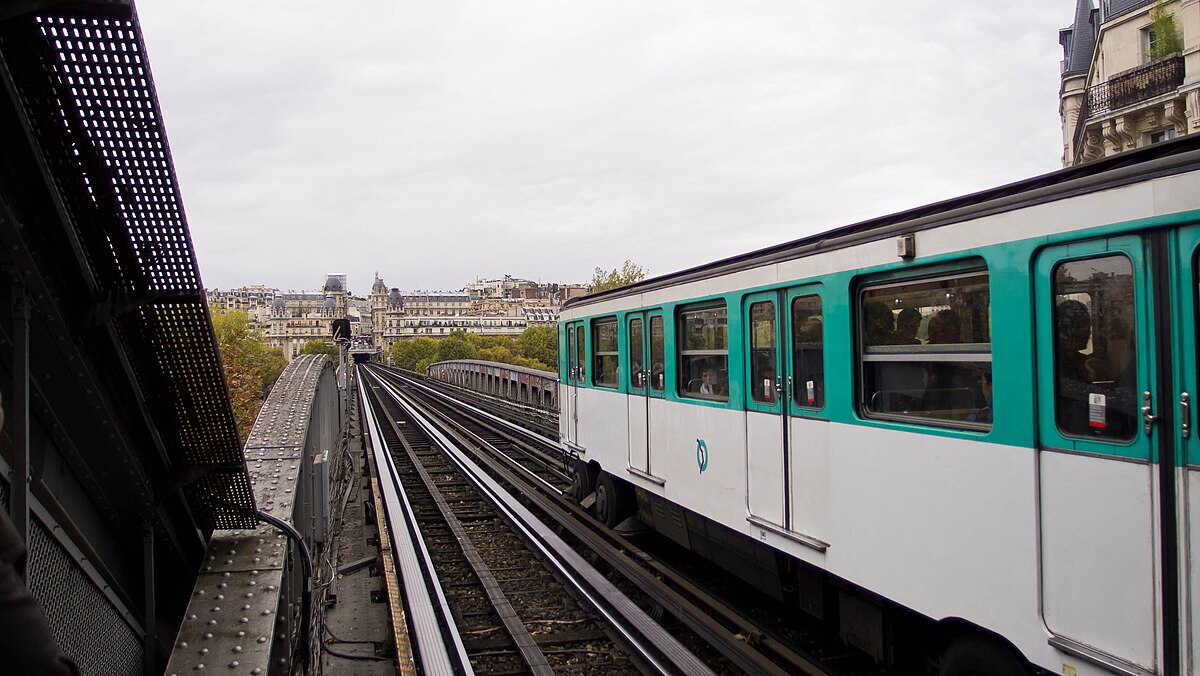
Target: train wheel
(581, 481)
(974, 655)
(608, 501)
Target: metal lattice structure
(88, 97)
(125, 451)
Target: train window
(1095, 351)
(808, 352)
(635, 354)
(704, 353)
(572, 359)
(580, 359)
(762, 352)
(605, 357)
(927, 350)
(658, 355)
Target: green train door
(647, 382)
(766, 409)
(1107, 354)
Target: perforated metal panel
(100, 66)
(85, 85)
(84, 625)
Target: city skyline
(350, 277)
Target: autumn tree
(627, 274)
(251, 367)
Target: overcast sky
(437, 142)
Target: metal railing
(1135, 86)
(1127, 89)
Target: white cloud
(439, 141)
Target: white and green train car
(963, 431)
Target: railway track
(487, 587)
(538, 420)
(503, 448)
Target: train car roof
(1154, 161)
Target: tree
(320, 347)
(540, 343)
(629, 273)
(1165, 39)
(251, 368)
(456, 346)
(409, 354)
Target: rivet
(237, 648)
(262, 639)
(207, 636)
(233, 664)
(204, 651)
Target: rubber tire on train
(974, 655)
(608, 501)
(581, 481)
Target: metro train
(964, 430)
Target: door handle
(1148, 417)
(1185, 415)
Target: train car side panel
(1098, 554)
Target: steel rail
(431, 625)
(527, 647)
(529, 437)
(652, 644)
(723, 627)
(484, 398)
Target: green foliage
(456, 346)
(251, 368)
(535, 348)
(1167, 39)
(540, 343)
(409, 354)
(627, 274)
(320, 347)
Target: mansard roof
(1115, 8)
(1079, 39)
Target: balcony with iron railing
(1130, 88)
